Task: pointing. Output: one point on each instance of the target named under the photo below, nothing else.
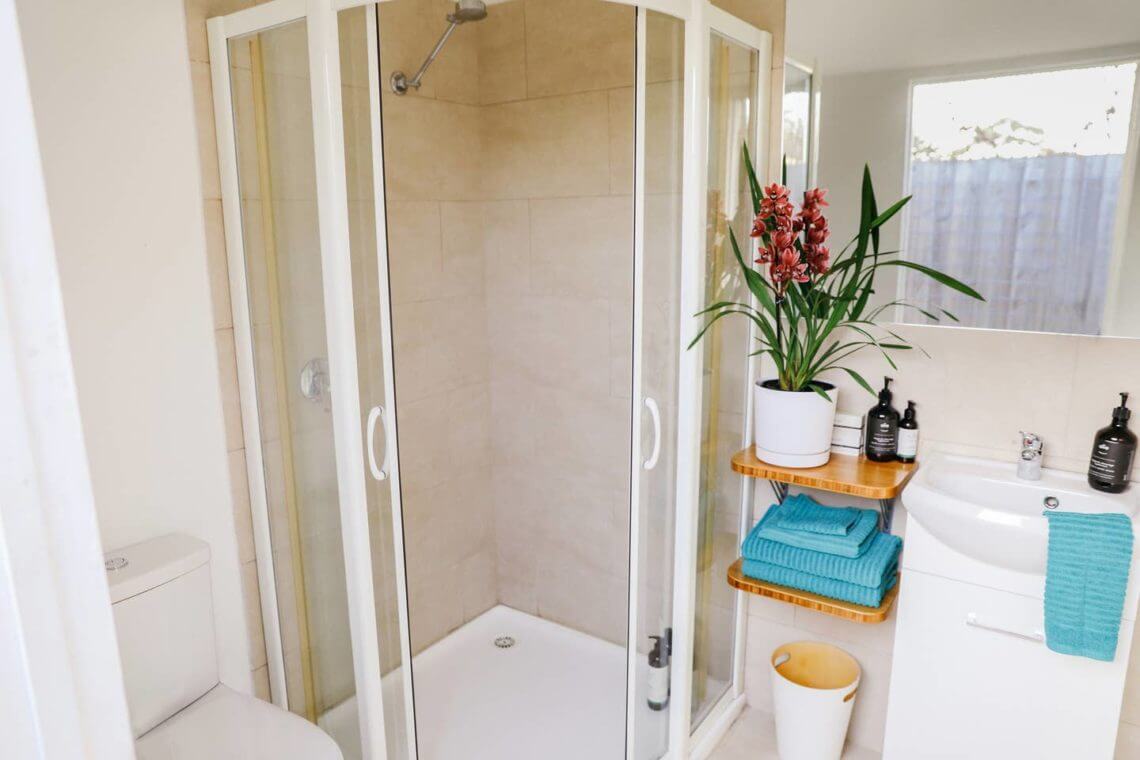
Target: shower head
(468, 10)
(465, 10)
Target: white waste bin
(813, 688)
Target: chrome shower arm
(401, 83)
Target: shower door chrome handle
(655, 415)
(379, 471)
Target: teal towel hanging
(1085, 582)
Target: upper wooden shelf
(856, 476)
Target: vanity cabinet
(972, 677)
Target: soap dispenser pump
(882, 438)
(908, 435)
(1114, 449)
(658, 676)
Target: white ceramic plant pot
(793, 428)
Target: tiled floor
(753, 737)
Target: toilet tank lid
(148, 564)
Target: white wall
(111, 91)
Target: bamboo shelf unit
(856, 613)
(854, 476)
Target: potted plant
(812, 312)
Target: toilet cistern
(1032, 450)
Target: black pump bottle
(1113, 450)
(882, 438)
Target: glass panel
(797, 128)
(659, 347)
(269, 74)
(733, 78)
(368, 301)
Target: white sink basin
(981, 508)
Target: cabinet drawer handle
(972, 620)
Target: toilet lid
(225, 725)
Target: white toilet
(160, 592)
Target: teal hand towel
(1085, 580)
(867, 596)
(854, 544)
(801, 512)
(868, 569)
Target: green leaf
(859, 379)
(812, 384)
(753, 184)
(885, 217)
(950, 315)
(939, 277)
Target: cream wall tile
(577, 45)
(621, 352)
(585, 599)
(546, 148)
(478, 574)
(1127, 742)
(621, 120)
(261, 684)
(196, 40)
(502, 53)
(253, 614)
(463, 249)
(218, 264)
(1104, 367)
(582, 247)
(231, 404)
(528, 338)
(415, 250)
(506, 247)
(207, 135)
(432, 149)
(456, 72)
(243, 520)
(408, 30)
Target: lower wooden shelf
(854, 612)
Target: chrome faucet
(1032, 450)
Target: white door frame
(62, 694)
(705, 19)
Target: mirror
(1014, 127)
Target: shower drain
(504, 642)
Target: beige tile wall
(556, 172)
(432, 146)
(197, 11)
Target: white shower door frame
(350, 446)
(701, 19)
(705, 19)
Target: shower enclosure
(490, 483)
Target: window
(1016, 182)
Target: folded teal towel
(1085, 581)
(801, 512)
(868, 569)
(857, 540)
(867, 596)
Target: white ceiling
(845, 36)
